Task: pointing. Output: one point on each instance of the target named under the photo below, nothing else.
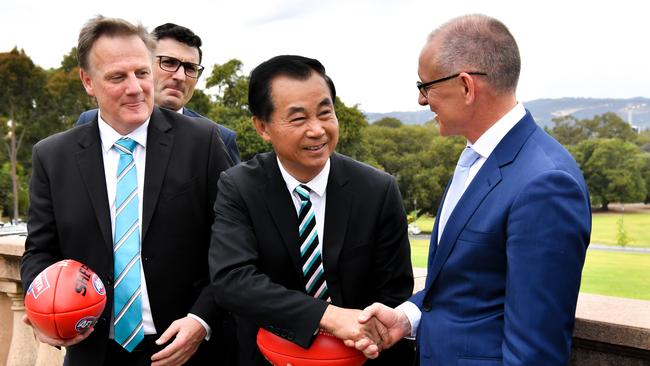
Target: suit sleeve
(241, 287)
(393, 270)
(41, 245)
(548, 233)
(205, 307)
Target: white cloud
(370, 48)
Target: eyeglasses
(424, 87)
(172, 64)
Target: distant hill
(544, 110)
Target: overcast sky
(569, 48)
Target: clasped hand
(384, 327)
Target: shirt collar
(318, 185)
(108, 135)
(491, 138)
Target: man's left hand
(188, 334)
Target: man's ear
(469, 88)
(86, 81)
(261, 128)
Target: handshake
(371, 330)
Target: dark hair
(180, 34)
(296, 67)
(102, 26)
(478, 42)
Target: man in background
(510, 237)
(176, 71)
(130, 195)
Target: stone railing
(608, 330)
(18, 346)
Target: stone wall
(608, 331)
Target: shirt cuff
(413, 314)
(208, 330)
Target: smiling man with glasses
(176, 70)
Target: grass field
(605, 273)
(604, 227)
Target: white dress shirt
(318, 186)
(111, 158)
(484, 147)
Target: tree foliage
(611, 170)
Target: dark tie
(127, 302)
(312, 264)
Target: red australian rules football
(325, 350)
(65, 299)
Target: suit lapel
(486, 179)
(337, 211)
(91, 167)
(282, 211)
(159, 148)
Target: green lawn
(605, 273)
(604, 228)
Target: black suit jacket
(228, 136)
(254, 255)
(69, 217)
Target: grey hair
(479, 43)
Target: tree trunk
(605, 206)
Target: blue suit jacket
(502, 284)
(228, 136)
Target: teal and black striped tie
(312, 264)
(127, 302)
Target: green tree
(231, 84)
(389, 122)
(570, 131)
(645, 173)
(612, 170)
(200, 102)
(352, 124)
(22, 98)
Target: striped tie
(127, 303)
(312, 265)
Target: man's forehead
(171, 45)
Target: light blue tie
(457, 187)
(127, 302)
(312, 264)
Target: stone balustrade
(608, 330)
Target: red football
(65, 299)
(326, 350)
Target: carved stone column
(23, 347)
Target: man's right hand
(58, 342)
(343, 324)
(397, 326)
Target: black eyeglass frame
(199, 68)
(424, 87)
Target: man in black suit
(74, 211)
(176, 71)
(303, 235)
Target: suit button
(426, 306)
(109, 282)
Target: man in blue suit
(177, 46)
(508, 246)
